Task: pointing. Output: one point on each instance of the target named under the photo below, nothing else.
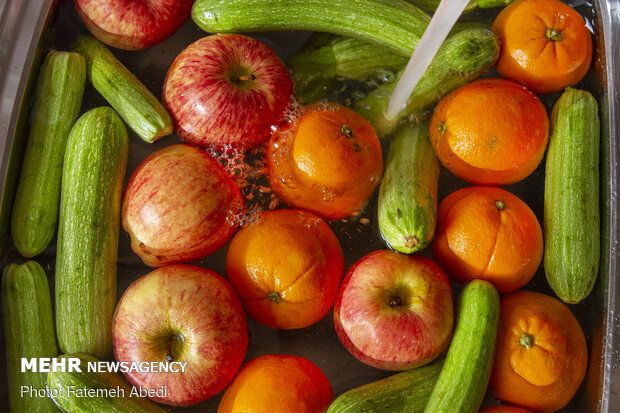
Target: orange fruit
(488, 233)
(277, 384)
(545, 44)
(504, 409)
(328, 161)
(541, 354)
(490, 132)
(286, 267)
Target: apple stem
(245, 78)
(394, 302)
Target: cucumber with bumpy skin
(92, 181)
(571, 222)
(56, 106)
(408, 193)
(465, 374)
(142, 112)
(405, 392)
(28, 332)
(394, 24)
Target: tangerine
(545, 44)
(490, 132)
(286, 267)
(490, 234)
(278, 384)
(541, 354)
(327, 160)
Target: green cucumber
(56, 106)
(463, 380)
(394, 24)
(142, 112)
(28, 332)
(464, 56)
(431, 5)
(327, 56)
(92, 180)
(571, 221)
(407, 391)
(407, 207)
(87, 392)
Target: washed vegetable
(402, 24)
(90, 203)
(142, 112)
(464, 376)
(28, 333)
(56, 106)
(464, 56)
(405, 392)
(407, 210)
(571, 220)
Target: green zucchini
(407, 391)
(142, 112)
(571, 221)
(92, 180)
(327, 56)
(56, 106)
(109, 392)
(28, 332)
(394, 24)
(464, 56)
(465, 374)
(407, 207)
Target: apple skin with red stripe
(133, 24)
(179, 206)
(227, 89)
(394, 311)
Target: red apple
(181, 314)
(133, 24)
(179, 206)
(227, 89)
(394, 311)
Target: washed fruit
(56, 106)
(107, 392)
(407, 391)
(28, 333)
(488, 233)
(90, 203)
(277, 383)
(286, 266)
(541, 354)
(394, 311)
(465, 374)
(407, 210)
(184, 314)
(142, 112)
(227, 89)
(572, 223)
(180, 206)
(327, 160)
(545, 44)
(490, 132)
(133, 24)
